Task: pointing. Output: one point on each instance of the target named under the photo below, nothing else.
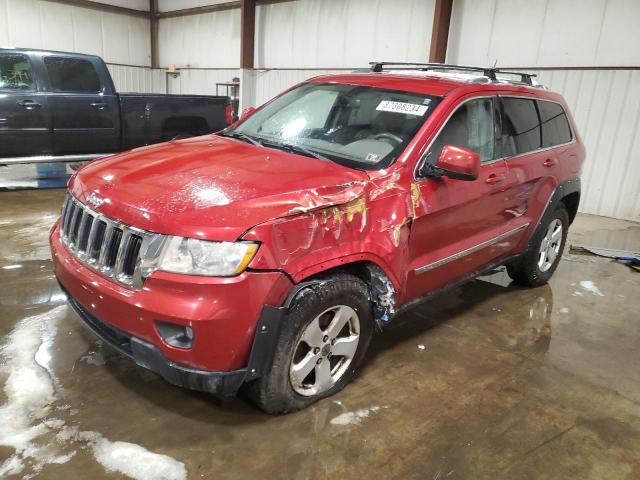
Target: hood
(212, 187)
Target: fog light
(176, 335)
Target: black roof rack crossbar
(490, 73)
(526, 78)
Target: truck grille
(107, 246)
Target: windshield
(362, 127)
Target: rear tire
(322, 343)
(540, 261)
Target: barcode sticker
(401, 107)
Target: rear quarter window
(521, 130)
(555, 125)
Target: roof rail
(489, 72)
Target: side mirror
(459, 163)
(247, 112)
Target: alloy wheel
(550, 246)
(325, 350)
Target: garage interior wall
(564, 37)
(298, 39)
(295, 40)
(123, 41)
(595, 63)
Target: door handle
(495, 178)
(28, 104)
(99, 105)
(550, 162)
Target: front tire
(322, 343)
(540, 261)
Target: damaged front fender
(372, 228)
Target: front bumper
(223, 312)
(222, 384)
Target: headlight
(201, 257)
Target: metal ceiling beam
(104, 7)
(198, 10)
(440, 31)
(211, 8)
(247, 32)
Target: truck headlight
(202, 257)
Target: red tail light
(228, 111)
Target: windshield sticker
(372, 158)
(401, 107)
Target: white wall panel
(52, 26)
(342, 33)
(606, 107)
(269, 83)
(545, 32)
(137, 79)
(205, 40)
(201, 82)
(605, 103)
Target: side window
(520, 126)
(471, 126)
(16, 73)
(555, 126)
(73, 75)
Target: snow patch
(137, 462)
(354, 418)
(589, 286)
(31, 391)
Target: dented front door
(460, 226)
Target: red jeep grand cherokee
(267, 254)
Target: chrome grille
(118, 251)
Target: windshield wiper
(294, 149)
(242, 136)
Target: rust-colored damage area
(374, 227)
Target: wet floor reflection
(489, 380)
(30, 176)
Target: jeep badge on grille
(94, 200)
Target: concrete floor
(489, 381)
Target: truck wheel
(322, 343)
(537, 265)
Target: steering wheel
(394, 139)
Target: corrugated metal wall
(549, 33)
(606, 107)
(202, 82)
(53, 26)
(605, 103)
(137, 79)
(299, 39)
(271, 82)
(338, 33)
(302, 34)
(205, 40)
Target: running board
(51, 158)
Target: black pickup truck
(57, 106)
